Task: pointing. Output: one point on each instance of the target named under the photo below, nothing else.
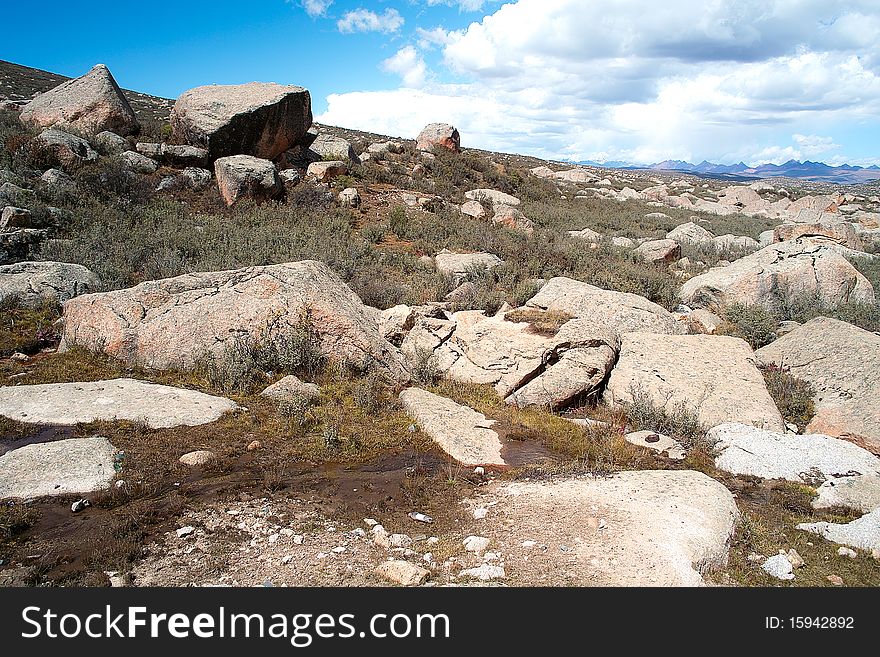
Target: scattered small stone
(273, 538)
(846, 552)
(185, 531)
(402, 572)
(357, 531)
(197, 458)
(794, 558)
(475, 543)
(755, 558)
(400, 540)
(433, 540)
(339, 549)
(298, 539)
(421, 517)
(778, 566)
(428, 557)
(529, 544)
(837, 580)
(19, 357)
(602, 524)
(79, 505)
(254, 445)
(485, 573)
(480, 471)
(286, 559)
(480, 513)
(369, 522)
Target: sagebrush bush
(247, 362)
(680, 421)
(793, 396)
(753, 323)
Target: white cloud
(683, 79)
(436, 36)
(463, 5)
(316, 8)
(408, 64)
(364, 20)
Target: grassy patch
(770, 511)
(26, 330)
(542, 322)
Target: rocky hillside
(239, 347)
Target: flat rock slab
(810, 459)
(842, 363)
(860, 492)
(863, 533)
(34, 283)
(657, 442)
(65, 467)
(715, 376)
(638, 528)
(117, 399)
(460, 431)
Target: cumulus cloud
(364, 20)
(682, 79)
(316, 8)
(408, 64)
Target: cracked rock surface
(841, 362)
(173, 322)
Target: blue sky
(728, 80)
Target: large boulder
(460, 265)
(155, 405)
(715, 377)
(461, 432)
(259, 119)
(690, 233)
(174, 155)
(526, 366)
(245, 176)
(328, 147)
(441, 135)
(553, 351)
(842, 363)
(69, 149)
(34, 283)
(842, 232)
(175, 322)
(492, 197)
(75, 466)
(639, 528)
(738, 196)
(90, 104)
(657, 252)
(780, 271)
(623, 311)
(17, 245)
(512, 219)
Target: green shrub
(753, 323)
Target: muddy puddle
(42, 434)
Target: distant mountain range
(815, 171)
